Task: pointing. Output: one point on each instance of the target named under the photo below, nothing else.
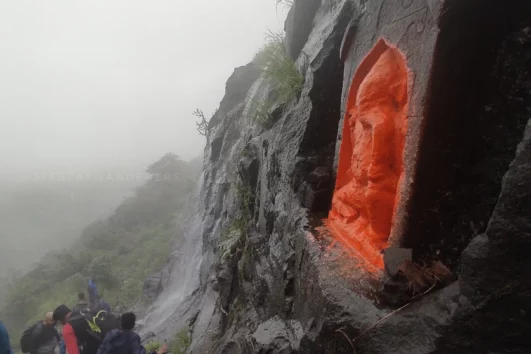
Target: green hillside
(118, 253)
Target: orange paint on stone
(371, 155)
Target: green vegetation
(179, 345)
(118, 253)
(234, 236)
(181, 342)
(235, 241)
(243, 195)
(231, 239)
(153, 346)
(281, 72)
(260, 112)
(279, 68)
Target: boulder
(153, 286)
(278, 336)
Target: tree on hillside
(160, 197)
(170, 163)
(202, 124)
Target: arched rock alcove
(370, 168)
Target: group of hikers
(88, 328)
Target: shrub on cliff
(202, 124)
(181, 342)
(259, 111)
(279, 68)
(282, 74)
(153, 346)
(231, 240)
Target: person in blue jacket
(124, 340)
(5, 347)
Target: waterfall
(179, 301)
(184, 274)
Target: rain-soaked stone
(394, 257)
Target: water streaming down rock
(258, 94)
(184, 273)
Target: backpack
(92, 327)
(100, 323)
(26, 340)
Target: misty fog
(99, 87)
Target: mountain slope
(118, 252)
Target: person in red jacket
(75, 335)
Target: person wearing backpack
(40, 338)
(99, 305)
(124, 340)
(84, 332)
(96, 303)
(5, 346)
(82, 304)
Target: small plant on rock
(279, 68)
(234, 236)
(281, 72)
(230, 241)
(181, 342)
(153, 346)
(259, 111)
(202, 123)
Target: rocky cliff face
(272, 281)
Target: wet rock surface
(287, 287)
(299, 25)
(495, 288)
(394, 257)
(473, 132)
(278, 336)
(152, 286)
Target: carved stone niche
(371, 164)
(388, 54)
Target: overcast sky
(95, 83)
